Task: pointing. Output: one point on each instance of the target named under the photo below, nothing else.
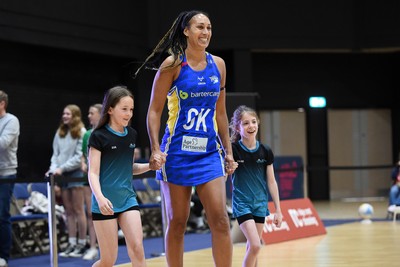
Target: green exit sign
(317, 102)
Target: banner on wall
(300, 219)
(289, 176)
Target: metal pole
(164, 220)
(52, 222)
(164, 223)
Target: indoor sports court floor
(348, 242)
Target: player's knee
(219, 223)
(254, 248)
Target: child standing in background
(251, 181)
(94, 117)
(66, 161)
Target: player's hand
(105, 206)
(157, 160)
(278, 219)
(230, 164)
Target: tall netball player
(193, 82)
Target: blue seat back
(21, 191)
(138, 185)
(39, 187)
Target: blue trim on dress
(249, 150)
(108, 127)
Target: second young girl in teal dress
(251, 181)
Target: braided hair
(173, 43)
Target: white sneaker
(120, 234)
(91, 254)
(70, 248)
(3, 263)
(78, 252)
(391, 208)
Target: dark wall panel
(130, 28)
(346, 80)
(99, 26)
(42, 81)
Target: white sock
(82, 242)
(72, 240)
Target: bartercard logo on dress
(113, 147)
(131, 145)
(183, 95)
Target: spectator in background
(9, 133)
(94, 117)
(66, 161)
(394, 193)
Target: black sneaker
(78, 251)
(70, 248)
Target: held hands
(157, 159)
(230, 164)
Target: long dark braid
(173, 43)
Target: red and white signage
(300, 219)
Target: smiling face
(121, 114)
(248, 127)
(198, 31)
(67, 116)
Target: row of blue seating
(30, 231)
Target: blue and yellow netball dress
(190, 139)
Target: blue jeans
(6, 191)
(394, 195)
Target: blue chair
(39, 187)
(28, 230)
(154, 186)
(150, 209)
